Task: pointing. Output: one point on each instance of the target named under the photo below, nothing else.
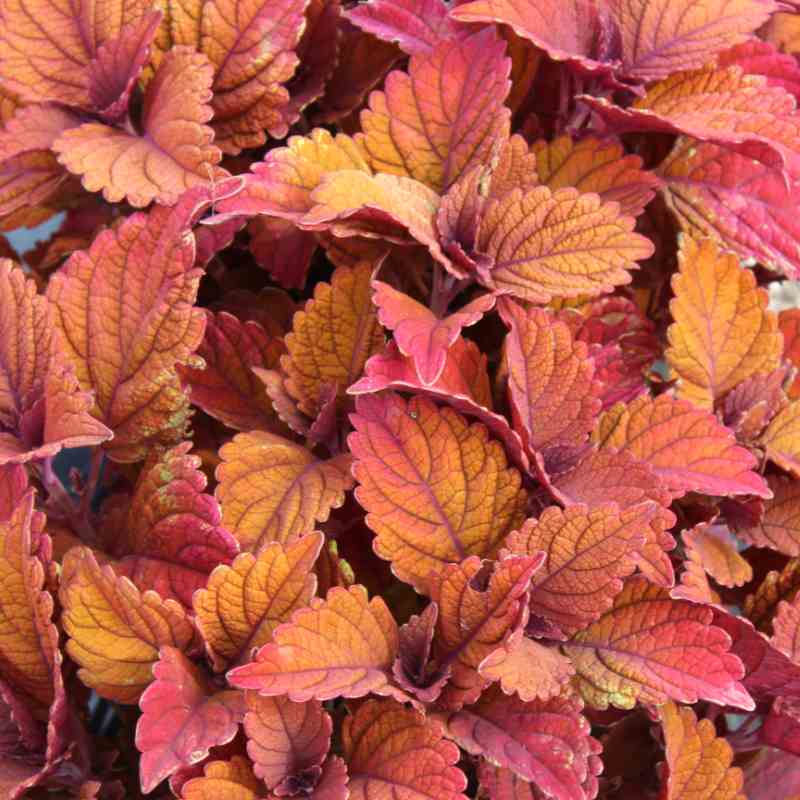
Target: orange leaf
(395, 752)
(722, 332)
(41, 406)
(779, 528)
(435, 488)
(273, 490)
(781, 439)
(716, 551)
(115, 631)
(30, 660)
(786, 629)
(285, 739)
(480, 608)
(223, 780)
(565, 244)
(789, 323)
(332, 338)
(342, 646)
(651, 648)
(47, 48)
(587, 554)
(760, 606)
(174, 151)
(244, 603)
(554, 399)
(227, 388)
(252, 52)
(528, 669)
(435, 130)
(139, 281)
(698, 763)
(596, 165)
(686, 446)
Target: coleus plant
(441, 441)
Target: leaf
(554, 400)
(419, 333)
(244, 603)
(171, 536)
(463, 384)
(711, 104)
(435, 489)
(750, 407)
(393, 208)
(124, 309)
(544, 742)
(41, 407)
(115, 631)
(588, 553)
(786, 629)
(565, 244)
(781, 439)
(343, 646)
(650, 648)
(757, 57)
(659, 38)
(281, 185)
(223, 780)
(332, 338)
(779, 528)
(273, 490)
(722, 333)
(252, 52)
(528, 669)
(13, 486)
(596, 165)
(480, 608)
(434, 131)
(564, 31)
(698, 763)
(114, 71)
(789, 324)
(686, 447)
(759, 607)
(30, 659)
(282, 249)
(704, 184)
(174, 152)
(395, 752)
(285, 739)
(717, 553)
(47, 50)
(183, 717)
(227, 388)
(416, 26)
(694, 585)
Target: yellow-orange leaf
(442, 117)
(596, 165)
(115, 631)
(781, 439)
(223, 780)
(342, 646)
(29, 654)
(244, 603)
(125, 310)
(722, 332)
(716, 551)
(273, 490)
(332, 338)
(698, 762)
(436, 489)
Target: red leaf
(544, 742)
(171, 536)
(395, 752)
(183, 717)
(287, 741)
(417, 26)
(652, 648)
(686, 447)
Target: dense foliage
(440, 439)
